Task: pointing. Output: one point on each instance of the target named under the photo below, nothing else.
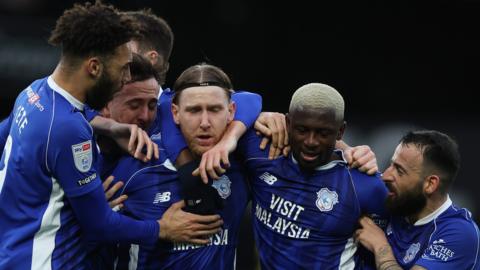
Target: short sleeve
(249, 146)
(71, 156)
(249, 106)
(172, 137)
(4, 131)
(371, 193)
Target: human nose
(387, 175)
(205, 121)
(311, 139)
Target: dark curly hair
(154, 32)
(92, 29)
(202, 74)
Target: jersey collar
(329, 165)
(435, 213)
(75, 102)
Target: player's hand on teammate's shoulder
(273, 127)
(361, 157)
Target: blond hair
(318, 96)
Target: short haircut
(202, 75)
(154, 32)
(92, 29)
(316, 96)
(440, 153)
(141, 69)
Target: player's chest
(323, 207)
(408, 242)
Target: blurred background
(400, 65)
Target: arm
(373, 238)
(4, 131)
(129, 137)
(248, 107)
(100, 223)
(212, 160)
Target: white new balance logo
(268, 178)
(162, 197)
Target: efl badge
(326, 199)
(222, 185)
(82, 155)
(411, 252)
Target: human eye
(134, 105)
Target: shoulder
(69, 126)
(367, 183)
(136, 174)
(458, 224)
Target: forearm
(100, 223)
(102, 125)
(384, 259)
(234, 131)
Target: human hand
(133, 139)
(117, 203)
(361, 157)
(370, 235)
(273, 127)
(215, 161)
(177, 225)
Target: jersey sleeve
(452, 246)
(249, 146)
(371, 193)
(5, 130)
(249, 106)
(172, 137)
(100, 224)
(72, 154)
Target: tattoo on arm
(385, 260)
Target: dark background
(399, 64)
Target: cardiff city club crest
(411, 252)
(82, 155)
(326, 199)
(222, 185)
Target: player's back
(37, 226)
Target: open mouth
(308, 156)
(204, 140)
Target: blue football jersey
(307, 220)
(49, 186)
(48, 154)
(448, 238)
(4, 131)
(152, 188)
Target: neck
(70, 80)
(433, 203)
